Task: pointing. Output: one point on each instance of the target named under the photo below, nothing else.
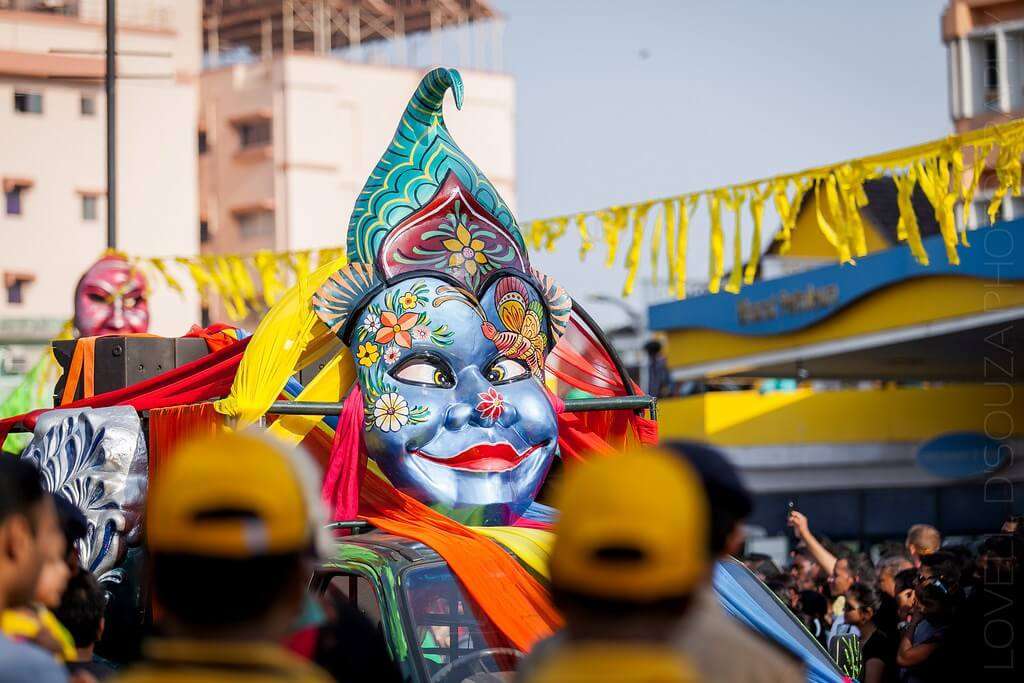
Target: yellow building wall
(748, 418)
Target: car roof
(397, 549)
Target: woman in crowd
(878, 648)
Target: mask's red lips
(484, 458)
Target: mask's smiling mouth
(484, 457)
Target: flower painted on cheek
(491, 405)
(408, 300)
(371, 322)
(390, 412)
(391, 354)
(396, 329)
(367, 354)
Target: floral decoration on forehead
(451, 234)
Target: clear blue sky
(623, 101)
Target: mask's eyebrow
(448, 293)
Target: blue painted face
(456, 414)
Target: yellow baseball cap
(632, 526)
(229, 495)
(615, 663)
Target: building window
(88, 105)
(991, 74)
(13, 199)
(89, 207)
(28, 102)
(16, 285)
(256, 224)
(254, 133)
(204, 232)
(203, 144)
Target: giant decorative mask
(448, 324)
(111, 299)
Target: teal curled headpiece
(422, 154)
(426, 209)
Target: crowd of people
(638, 539)
(921, 610)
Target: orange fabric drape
(170, 426)
(83, 366)
(510, 596)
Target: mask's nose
(478, 403)
(116, 319)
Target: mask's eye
(425, 372)
(506, 370)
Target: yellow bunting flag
(633, 256)
(735, 204)
(716, 244)
(586, 242)
(757, 200)
(907, 228)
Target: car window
(358, 592)
(455, 639)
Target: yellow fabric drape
(633, 256)
(978, 158)
(757, 199)
(171, 281)
(716, 244)
(277, 350)
(671, 216)
(656, 238)
(1008, 172)
(613, 221)
(735, 203)
(586, 242)
(681, 242)
(933, 176)
(556, 228)
(330, 384)
(907, 228)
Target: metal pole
(109, 78)
(577, 405)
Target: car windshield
(772, 615)
(454, 638)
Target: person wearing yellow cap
(630, 549)
(231, 531)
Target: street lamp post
(109, 83)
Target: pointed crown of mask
(427, 210)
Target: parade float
(439, 379)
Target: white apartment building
(52, 155)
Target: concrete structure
(985, 47)
(289, 139)
(985, 40)
(52, 160)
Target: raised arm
(822, 556)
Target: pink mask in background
(111, 299)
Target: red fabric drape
(207, 377)
(347, 463)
